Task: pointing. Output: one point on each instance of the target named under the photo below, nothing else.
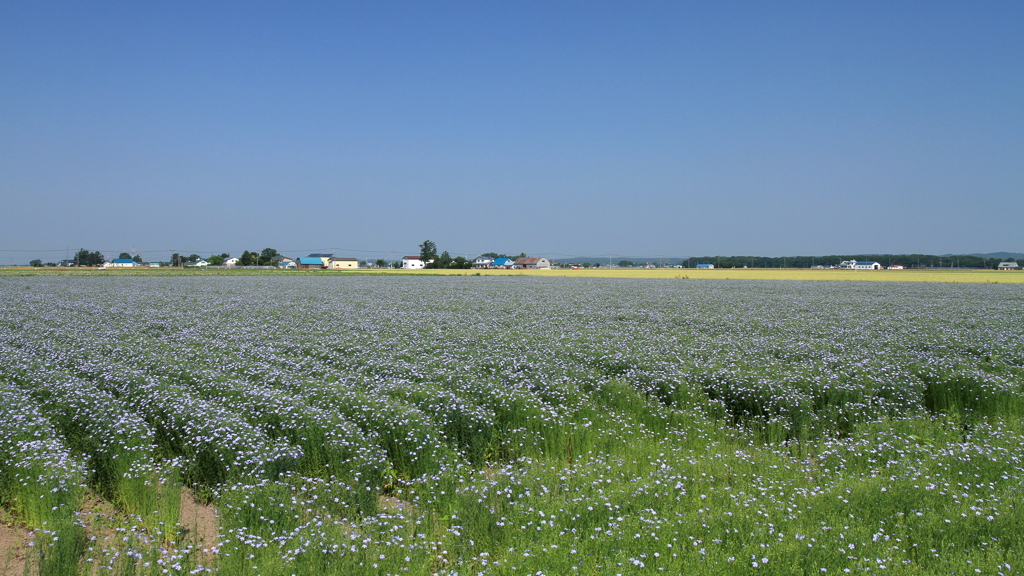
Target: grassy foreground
(793, 274)
(511, 426)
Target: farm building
(287, 264)
(867, 266)
(310, 263)
(412, 263)
(324, 257)
(896, 267)
(483, 262)
(503, 263)
(1008, 266)
(342, 263)
(121, 263)
(705, 266)
(533, 263)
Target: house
(705, 266)
(232, 262)
(867, 266)
(121, 263)
(342, 263)
(324, 257)
(154, 264)
(896, 267)
(1008, 266)
(310, 263)
(483, 262)
(503, 263)
(412, 263)
(197, 264)
(287, 264)
(533, 263)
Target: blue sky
(554, 128)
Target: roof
(345, 259)
(528, 261)
(502, 261)
(311, 260)
(866, 263)
(320, 255)
(411, 258)
(123, 261)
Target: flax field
(509, 425)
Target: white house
(1008, 266)
(896, 267)
(483, 262)
(232, 262)
(412, 263)
(867, 266)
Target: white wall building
(412, 263)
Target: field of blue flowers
(511, 425)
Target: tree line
(907, 260)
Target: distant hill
(1002, 255)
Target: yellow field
(946, 275)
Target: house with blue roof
(310, 263)
(503, 262)
(121, 263)
(867, 266)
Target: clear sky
(554, 128)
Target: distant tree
(461, 263)
(216, 260)
(85, 258)
(248, 259)
(137, 258)
(444, 260)
(626, 263)
(267, 257)
(125, 256)
(396, 264)
(428, 250)
(36, 263)
(175, 259)
(381, 263)
(193, 257)
(492, 255)
(51, 264)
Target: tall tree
(428, 250)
